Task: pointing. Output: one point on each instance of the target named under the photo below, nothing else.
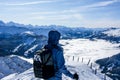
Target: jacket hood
(53, 37)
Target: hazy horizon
(70, 13)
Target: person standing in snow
(58, 58)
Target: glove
(75, 76)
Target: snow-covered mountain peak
(115, 33)
(29, 33)
(2, 23)
(11, 23)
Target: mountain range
(24, 40)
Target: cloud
(44, 13)
(101, 4)
(91, 6)
(52, 12)
(58, 17)
(74, 10)
(28, 3)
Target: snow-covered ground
(85, 73)
(79, 48)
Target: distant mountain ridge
(24, 40)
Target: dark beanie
(53, 36)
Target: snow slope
(85, 73)
(13, 64)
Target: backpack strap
(43, 58)
(48, 57)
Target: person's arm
(61, 65)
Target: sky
(70, 13)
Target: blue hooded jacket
(57, 51)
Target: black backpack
(43, 64)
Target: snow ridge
(12, 64)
